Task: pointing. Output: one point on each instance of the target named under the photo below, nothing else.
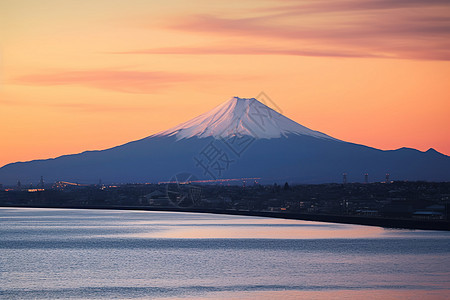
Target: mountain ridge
(227, 142)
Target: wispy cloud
(96, 107)
(121, 81)
(408, 29)
(227, 50)
(326, 6)
(391, 26)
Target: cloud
(400, 29)
(96, 108)
(391, 26)
(227, 50)
(120, 81)
(327, 6)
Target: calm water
(93, 254)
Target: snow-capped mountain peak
(241, 116)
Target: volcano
(241, 117)
(241, 138)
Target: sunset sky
(85, 75)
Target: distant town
(391, 200)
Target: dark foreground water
(101, 254)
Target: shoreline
(412, 224)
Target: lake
(112, 254)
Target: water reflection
(332, 295)
(282, 229)
(85, 254)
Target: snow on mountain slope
(241, 116)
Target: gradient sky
(84, 75)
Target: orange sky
(84, 75)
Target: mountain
(244, 117)
(242, 138)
